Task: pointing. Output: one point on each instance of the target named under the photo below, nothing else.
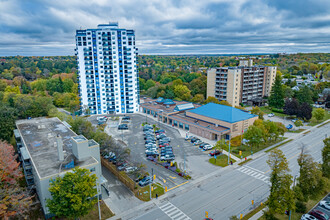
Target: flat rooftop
(39, 138)
(152, 104)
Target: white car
(151, 151)
(130, 169)
(325, 204)
(308, 217)
(271, 115)
(207, 147)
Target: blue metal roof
(168, 102)
(222, 113)
(160, 100)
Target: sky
(47, 27)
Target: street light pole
(152, 174)
(229, 150)
(294, 183)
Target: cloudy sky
(47, 27)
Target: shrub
(300, 207)
(177, 170)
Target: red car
(215, 153)
(319, 215)
(164, 145)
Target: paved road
(228, 192)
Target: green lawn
(94, 214)
(315, 122)
(221, 160)
(144, 192)
(266, 110)
(246, 150)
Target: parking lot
(187, 156)
(325, 209)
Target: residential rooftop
(39, 138)
(222, 113)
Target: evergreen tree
(276, 98)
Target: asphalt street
(229, 191)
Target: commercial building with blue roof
(211, 121)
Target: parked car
(207, 147)
(202, 145)
(145, 181)
(325, 205)
(160, 136)
(319, 215)
(130, 169)
(161, 131)
(122, 127)
(165, 139)
(308, 217)
(215, 153)
(198, 142)
(152, 153)
(162, 142)
(122, 167)
(126, 118)
(294, 120)
(194, 140)
(167, 157)
(139, 178)
(164, 145)
(289, 126)
(271, 115)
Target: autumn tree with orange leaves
(14, 201)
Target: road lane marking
(172, 177)
(173, 212)
(177, 186)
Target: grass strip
(221, 160)
(279, 145)
(245, 161)
(253, 212)
(323, 124)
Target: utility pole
(184, 162)
(152, 176)
(229, 151)
(294, 183)
(98, 199)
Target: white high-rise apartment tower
(107, 73)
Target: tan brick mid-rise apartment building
(246, 83)
(211, 121)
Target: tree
(298, 123)
(291, 107)
(14, 200)
(73, 195)
(8, 116)
(305, 111)
(310, 180)
(254, 135)
(305, 94)
(281, 196)
(198, 98)
(211, 99)
(182, 92)
(150, 83)
(224, 102)
(326, 158)
(319, 114)
(256, 111)
(276, 98)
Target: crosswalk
(254, 173)
(173, 212)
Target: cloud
(46, 27)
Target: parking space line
(173, 177)
(177, 185)
(172, 181)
